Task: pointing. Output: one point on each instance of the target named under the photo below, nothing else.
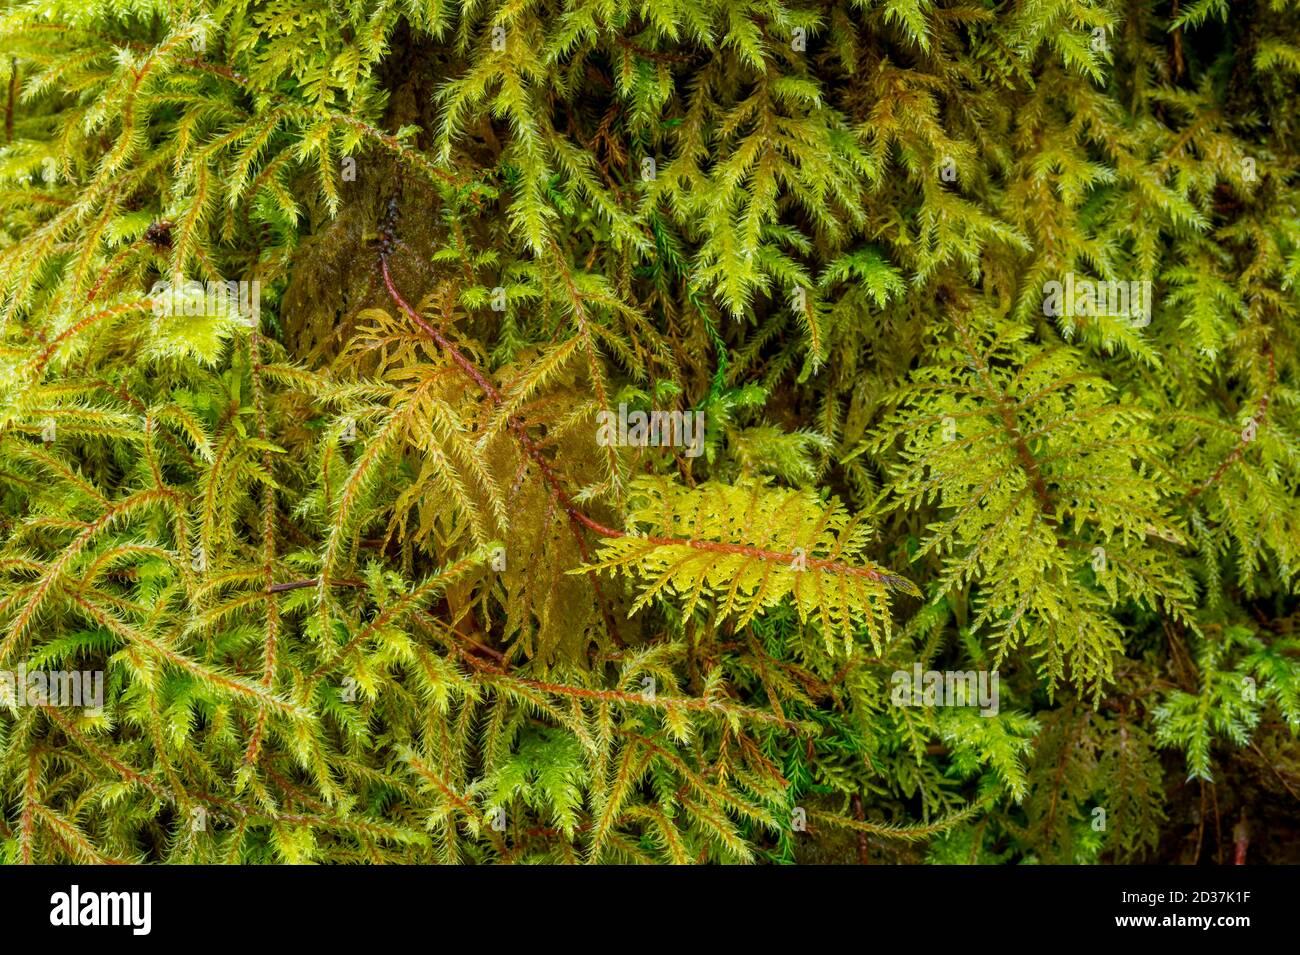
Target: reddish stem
(576, 515)
(1256, 420)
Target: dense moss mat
(678, 431)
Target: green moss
(366, 585)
